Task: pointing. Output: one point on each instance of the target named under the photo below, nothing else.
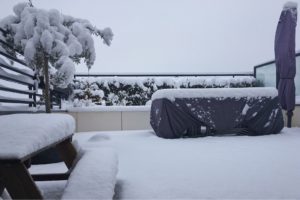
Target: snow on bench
(94, 176)
(24, 134)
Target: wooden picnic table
(24, 136)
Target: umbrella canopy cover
(285, 56)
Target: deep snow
(231, 167)
(94, 176)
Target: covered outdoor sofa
(202, 112)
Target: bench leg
(18, 182)
(67, 152)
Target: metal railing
(162, 74)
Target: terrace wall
(112, 119)
(127, 119)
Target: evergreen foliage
(138, 90)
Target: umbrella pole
(289, 118)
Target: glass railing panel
(266, 75)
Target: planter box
(112, 118)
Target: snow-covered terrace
(149, 167)
(232, 167)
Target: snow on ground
(225, 167)
(52, 189)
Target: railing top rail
(270, 62)
(162, 75)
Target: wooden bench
(22, 137)
(94, 176)
(92, 173)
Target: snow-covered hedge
(138, 90)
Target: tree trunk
(47, 85)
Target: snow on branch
(63, 39)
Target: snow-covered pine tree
(48, 37)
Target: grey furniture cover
(177, 113)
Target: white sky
(173, 36)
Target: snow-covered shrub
(47, 36)
(61, 38)
(138, 90)
(82, 103)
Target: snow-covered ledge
(103, 118)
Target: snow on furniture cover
(179, 113)
(94, 176)
(23, 134)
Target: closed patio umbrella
(285, 58)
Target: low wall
(126, 118)
(117, 118)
